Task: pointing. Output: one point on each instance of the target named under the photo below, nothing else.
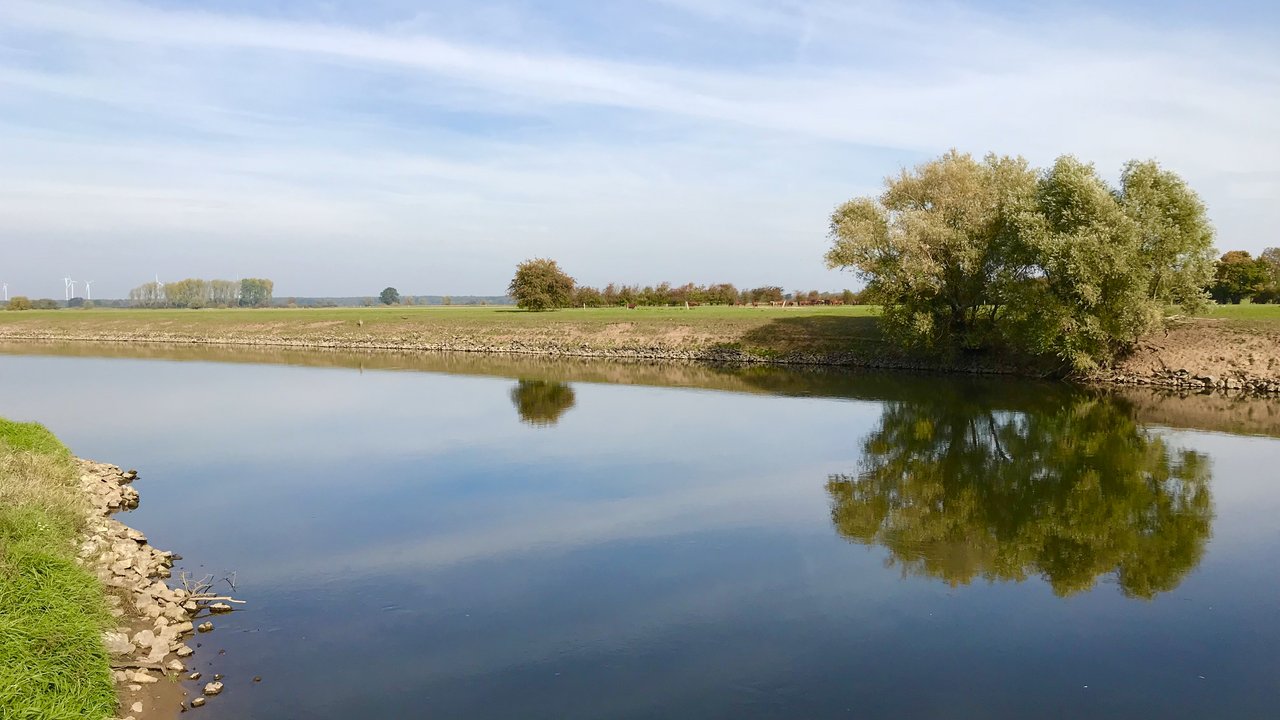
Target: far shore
(1235, 349)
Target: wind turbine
(88, 290)
(68, 287)
(6, 291)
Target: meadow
(763, 329)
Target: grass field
(52, 612)
(1246, 313)
(460, 316)
(764, 329)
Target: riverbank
(89, 628)
(145, 638)
(1222, 351)
(52, 610)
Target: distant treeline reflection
(1069, 487)
(541, 403)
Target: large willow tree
(969, 254)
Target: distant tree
(256, 292)
(189, 293)
(149, 295)
(1238, 276)
(540, 284)
(19, 302)
(44, 304)
(389, 296)
(767, 293)
(848, 298)
(722, 294)
(587, 297)
(1270, 262)
(224, 293)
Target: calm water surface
(455, 537)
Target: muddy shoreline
(1152, 365)
(150, 644)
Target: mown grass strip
(52, 611)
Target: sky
(341, 146)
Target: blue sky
(342, 146)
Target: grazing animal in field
(631, 306)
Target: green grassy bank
(52, 611)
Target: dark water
(487, 538)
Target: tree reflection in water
(1069, 490)
(541, 403)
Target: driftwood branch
(137, 664)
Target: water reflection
(541, 403)
(1070, 489)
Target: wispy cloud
(128, 123)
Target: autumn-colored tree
(19, 302)
(1238, 276)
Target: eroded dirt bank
(1197, 354)
(1204, 354)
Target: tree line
(1239, 276)
(197, 293)
(540, 284)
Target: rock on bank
(147, 644)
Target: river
(462, 536)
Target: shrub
(540, 284)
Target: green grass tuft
(31, 437)
(52, 611)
